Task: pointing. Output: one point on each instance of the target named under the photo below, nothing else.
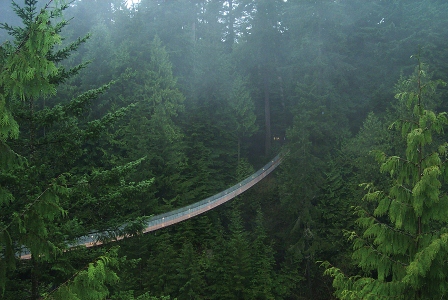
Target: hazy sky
(130, 2)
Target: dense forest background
(156, 105)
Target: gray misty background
(202, 93)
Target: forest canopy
(112, 111)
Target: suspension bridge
(181, 214)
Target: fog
(138, 108)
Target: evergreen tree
(46, 173)
(26, 74)
(264, 61)
(90, 283)
(241, 111)
(403, 248)
(190, 277)
(229, 272)
(153, 130)
(262, 263)
(356, 157)
(160, 266)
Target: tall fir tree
(242, 113)
(46, 174)
(230, 264)
(153, 131)
(262, 281)
(26, 74)
(404, 244)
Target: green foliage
(130, 148)
(46, 173)
(230, 264)
(8, 126)
(244, 169)
(263, 281)
(90, 283)
(161, 258)
(191, 282)
(241, 111)
(404, 243)
(106, 192)
(152, 131)
(146, 296)
(28, 71)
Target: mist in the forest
(115, 112)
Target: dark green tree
(46, 174)
(263, 59)
(153, 131)
(26, 74)
(160, 266)
(90, 283)
(404, 242)
(230, 268)
(190, 273)
(241, 112)
(262, 262)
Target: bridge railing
(229, 193)
(180, 214)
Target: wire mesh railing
(213, 201)
(184, 213)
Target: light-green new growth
(403, 248)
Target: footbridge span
(184, 213)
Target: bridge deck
(186, 212)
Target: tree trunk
(32, 129)
(231, 34)
(239, 150)
(34, 263)
(267, 115)
(34, 279)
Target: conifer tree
(262, 279)
(26, 74)
(190, 277)
(45, 173)
(241, 111)
(152, 131)
(264, 40)
(404, 244)
(89, 283)
(160, 266)
(234, 266)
